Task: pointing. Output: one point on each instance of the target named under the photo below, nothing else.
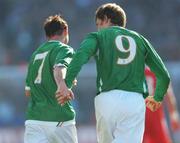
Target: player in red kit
(156, 130)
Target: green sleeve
(157, 66)
(64, 57)
(87, 49)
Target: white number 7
(131, 49)
(42, 57)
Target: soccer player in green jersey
(121, 55)
(47, 121)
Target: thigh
(132, 132)
(103, 120)
(103, 129)
(120, 117)
(65, 134)
(131, 128)
(34, 134)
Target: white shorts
(120, 117)
(49, 132)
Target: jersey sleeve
(87, 49)
(64, 57)
(157, 66)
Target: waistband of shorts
(48, 123)
(120, 91)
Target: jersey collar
(53, 41)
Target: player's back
(43, 104)
(120, 60)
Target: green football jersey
(121, 55)
(40, 81)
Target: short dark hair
(54, 25)
(113, 12)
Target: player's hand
(63, 94)
(152, 104)
(62, 99)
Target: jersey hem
(47, 123)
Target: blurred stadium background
(21, 32)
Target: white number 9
(131, 49)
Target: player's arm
(156, 65)
(59, 74)
(27, 92)
(63, 59)
(87, 49)
(172, 108)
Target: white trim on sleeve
(59, 65)
(27, 88)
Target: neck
(111, 24)
(56, 38)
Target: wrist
(157, 99)
(61, 83)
